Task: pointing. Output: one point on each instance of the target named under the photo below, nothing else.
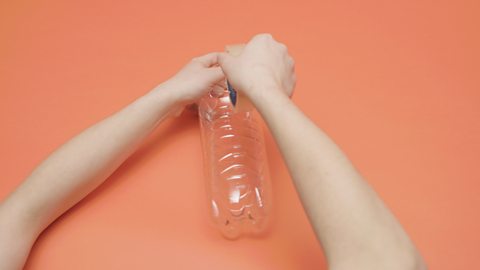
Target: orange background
(395, 84)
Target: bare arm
(85, 161)
(356, 229)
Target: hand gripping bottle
(236, 170)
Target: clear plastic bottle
(236, 169)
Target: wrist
(165, 94)
(264, 89)
(266, 96)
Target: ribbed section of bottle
(235, 166)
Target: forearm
(352, 223)
(84, 162)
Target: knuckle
(263, 36)
(267, 36)
(291, 60)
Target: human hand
(263, 66)
(197, 77)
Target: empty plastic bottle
(236, 170)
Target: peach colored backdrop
(395, 83)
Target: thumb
(225, 61)
(215, 74)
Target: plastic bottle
(236, 169)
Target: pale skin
(355, 228)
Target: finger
(225, 60)
(234, 49)
(291, 62)
(176, 112)
(262, 36)
(221, 84)
(218, 89)
(207, 60)
(215, 74)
